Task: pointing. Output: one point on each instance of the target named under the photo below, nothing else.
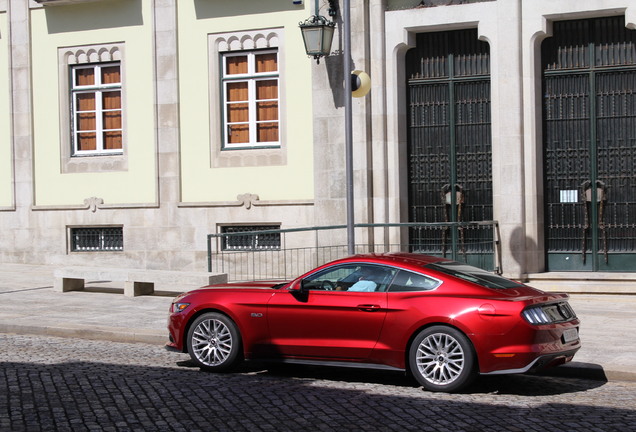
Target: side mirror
(302, 288)
(300, 291)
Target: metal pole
(346, 21)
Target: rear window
(406, 281)
(474, 275)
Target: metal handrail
(291, 257)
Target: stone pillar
(377, 99)
(507, 135)
(329, 130)
(21, 123)
(167, 100)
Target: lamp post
(317, 35)
(346, 66)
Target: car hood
(245, 285)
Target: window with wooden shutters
(251, 99)
(96, 109)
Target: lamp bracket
(333, 8)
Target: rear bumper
(539, 363)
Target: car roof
(394, 258)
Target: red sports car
(444, 322)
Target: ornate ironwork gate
(449, 146)
(590, 145)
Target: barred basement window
(100, 239)
(252, 240)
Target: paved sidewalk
(30, 306)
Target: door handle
(369, 307)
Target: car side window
(370, 278)
(351, 277)
(409, 281)
(328, 279)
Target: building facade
(115, 150)
(543, 96)
(131, 129)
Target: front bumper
(170, 347)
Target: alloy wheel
(440, 359)
(212, 342)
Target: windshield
(474, 275)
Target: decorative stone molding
(63, 2)
(93, 54)
(93, 203)
(247, 199)
(247, 40)
(98, 205)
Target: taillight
(549, 313)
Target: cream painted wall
(129, 22)
(201, 182)
(6, 156)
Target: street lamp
(317, 48)
(317, 36)
(318, 32)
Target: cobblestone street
(49, 383)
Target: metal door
(589, 144)
(449, 145)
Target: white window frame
(98, 89)
(232, 42)
(85, 55)
(251, 77)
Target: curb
(90, 333)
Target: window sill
(249, 157)
(95, 163)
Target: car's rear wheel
(214, 342)
(442, 359)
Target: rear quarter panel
(476, 312)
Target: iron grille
(567, 159)
(616, 158)
(100, 239)
(251, 240)
(449, 148)
(590, 137)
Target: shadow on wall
(206, 9)
(91, 16)
(519, 246)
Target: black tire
(214, 342)
(442, 359)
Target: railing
(298, 250)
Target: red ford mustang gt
(442, 321)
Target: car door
(325, 320)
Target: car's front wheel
(214, 342)
(442, 359)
